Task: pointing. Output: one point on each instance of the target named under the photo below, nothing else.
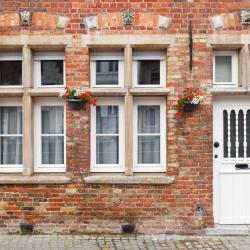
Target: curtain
(52, 135)
(148, 134)
(107, 138)
(11, 135)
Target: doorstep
(228, 230)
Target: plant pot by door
(189, 107)
(77, 104)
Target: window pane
(241, 133)
(10, 73)
(107, 150)
(148, 119)
(225, 133)
(52, 72)
(52, 150)
(52, 120)
(11, 120)
(11, 150)
(107, 72)
(107, 120)
(149, 72)
(148, 149)
(223, 69)
(233, 133)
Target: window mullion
(28, 164)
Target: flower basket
(77, 104)
(189, 107)
(78, 99)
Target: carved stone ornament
(245, 17)
(25, 18)
(128, 18)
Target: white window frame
(11, 56)
(108, 167)
(149, 55)
(40, 56)
(39, 167)
(101, 56)
(151, 101)
(234, 68)
(11, 102)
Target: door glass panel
(241, 134)
(225, 135)
(233, 134)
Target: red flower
(89, 102)
(67, 95)
(178, 114)
(94, 102)
(180, 96)
(190, 96)
(88, 92)
(66, 88)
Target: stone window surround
(241, 44)
(44, 42)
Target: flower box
(189, 107)
(76, 104)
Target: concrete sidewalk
(108, 242)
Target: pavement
(122, 242)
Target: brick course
(104, 208)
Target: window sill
(109, 91)
(34, 179)
(158, 91)
(230, 90)
(51, 91)
(155, 180)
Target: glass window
(107, 72)
(52, 72)
(107, 134)
(10, 73)
(11, 135)
(148, 72)
(148, 134)
(52, 134)
(223, 68)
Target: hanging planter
(78, 100)
(77, 104)
(189, 100)
(189, 107)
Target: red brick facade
(82, 207)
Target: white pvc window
(11, 135)
(225, 68)
(149, 69)
(107, 69)
(107, 136)
(10, 69)
(49, 69)
(149, 135)
(50, 135)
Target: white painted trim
(39, 102)
(108, 167)
(11, 102)
(49, 55)
(149, 55)
(99, 56)
(11, 56)
(234, 68)
(162, 167)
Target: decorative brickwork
(81, 207)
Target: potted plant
(189, 100)
(78, 99)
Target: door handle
(216, 144)
(242, 167)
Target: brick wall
(153, 208)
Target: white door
(231, 129)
